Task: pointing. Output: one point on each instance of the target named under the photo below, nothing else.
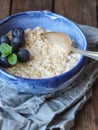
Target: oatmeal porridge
(46, 59)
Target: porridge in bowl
(46, 59)
(40, 67)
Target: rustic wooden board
(78, 10)
(97, 11)
(94, 104)
(24, 5)
(4, 8)
(87, 118)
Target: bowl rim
(52, 16)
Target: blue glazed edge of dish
(51, 15)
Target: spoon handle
(90, 54)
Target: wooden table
(81, 11)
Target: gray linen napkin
(20, 111)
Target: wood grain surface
(4, 8)
(81, 11)
(24, 5)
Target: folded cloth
(20, 111)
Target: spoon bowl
(59, 39)
(65, 42)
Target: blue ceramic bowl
(50, 21)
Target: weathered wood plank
(4, 8)
(78, 10)
(87, 118)
(31, 5)
(94, 103)
(97, 11)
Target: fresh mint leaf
(12, 59)
(5, 49)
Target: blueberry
(23, 55)
(4, 62)
(15, 47)
(18, 32)
(4, 39)
(20, 41)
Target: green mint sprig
(6, 51)
(12, 59)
